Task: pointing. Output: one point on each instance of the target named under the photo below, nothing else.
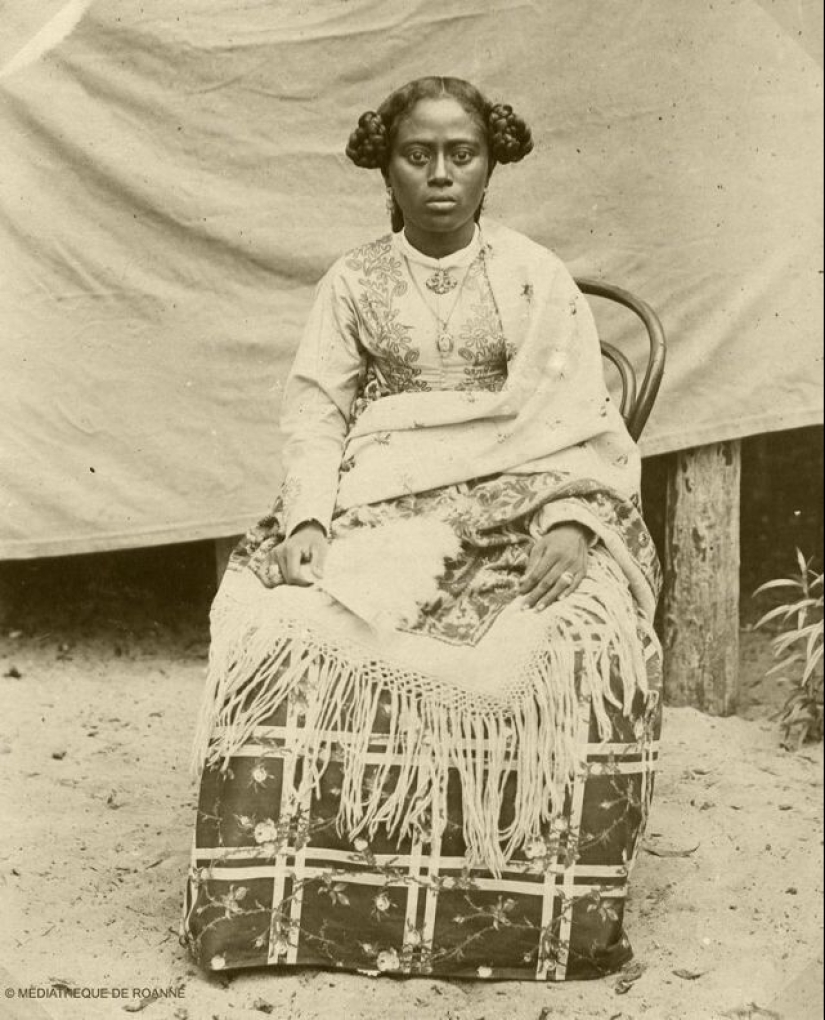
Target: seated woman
(431, 719)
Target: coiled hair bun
(368, 144)
(510, 138)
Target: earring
(390, 202)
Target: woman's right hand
(300, 557)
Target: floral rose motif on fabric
(481, 340)
(381, 278)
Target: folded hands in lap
(556, 566)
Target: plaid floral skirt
(272, 883)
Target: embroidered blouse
(377, 328)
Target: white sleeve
(563, 512)
(317, 400)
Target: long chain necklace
(444, 340)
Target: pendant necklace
(440, 282)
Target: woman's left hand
(557, 565)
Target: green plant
(798, 647)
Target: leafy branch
(798, 649)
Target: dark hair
(370, 144)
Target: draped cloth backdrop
(174, 184)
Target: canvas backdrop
(173, 185)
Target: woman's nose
(439, 170)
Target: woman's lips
(442, 202)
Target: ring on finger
(568, 578)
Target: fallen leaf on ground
(751, 1012)
(138, 1005)
(666, 852)
(688, 975)
(62, 983)
(629, 975)
(263, 1006)
(13, 672)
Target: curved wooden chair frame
(635, 406)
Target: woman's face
(438, 170)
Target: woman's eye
(418, 157)
(462, 156)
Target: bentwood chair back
(636, 401)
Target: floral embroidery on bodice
(381, 283)
(401, 321)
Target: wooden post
(6, 595)
(223, 550)
(701, 596)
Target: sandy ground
(97, 809)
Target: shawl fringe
(397, 780)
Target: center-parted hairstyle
(370, 144)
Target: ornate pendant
(441, 282)
(444, 342)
